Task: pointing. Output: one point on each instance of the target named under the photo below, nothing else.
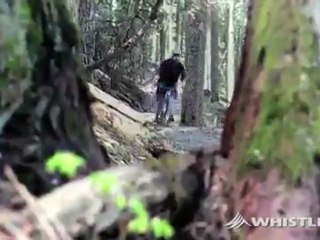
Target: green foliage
(161, 228)
(287, 135)
(106, 183)
(67, 163)
(121, 202)
(141, 224)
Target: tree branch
(121, 50)
(130, 43)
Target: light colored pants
(170, 103)
(164, 101)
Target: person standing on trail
(169, 72)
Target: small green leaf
(121, 202)
(156, 227)
(64, 162)
(168, 230)
(138, 207)
(161, 228)
(105, 181)
(139, 225)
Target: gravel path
(186, 138)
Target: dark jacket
(170, 71)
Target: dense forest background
(127, 40)
(80, 158)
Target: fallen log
(177, 185)
(116, 104)
(79, 205)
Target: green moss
(15, 63)
(289, 122)
(19, 39)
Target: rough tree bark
(53, 111)
(192, 97)
(272, 119)
(215, 72)
(86, 23)
(230, 52)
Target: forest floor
(129, 137)
(121, 130)
(185, 138)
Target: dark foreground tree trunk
(270, 121)
(52, 112)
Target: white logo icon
(278, 222)
(236, 222)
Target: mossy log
(86, 207)
(175, 194)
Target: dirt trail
(130, 121)
(185, 138)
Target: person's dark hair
(176, 55)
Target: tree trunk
(178, 25)
(192, 97)
(170, 28)
(207, 58)
(182, 30)
(73, 7)
(163, 37)
(270, 122)
(215, 72)
(54, 113)
(86, 23)
(230, 50)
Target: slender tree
(215, 71)
(192, 98)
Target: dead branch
(117, 53)
(50, 228)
